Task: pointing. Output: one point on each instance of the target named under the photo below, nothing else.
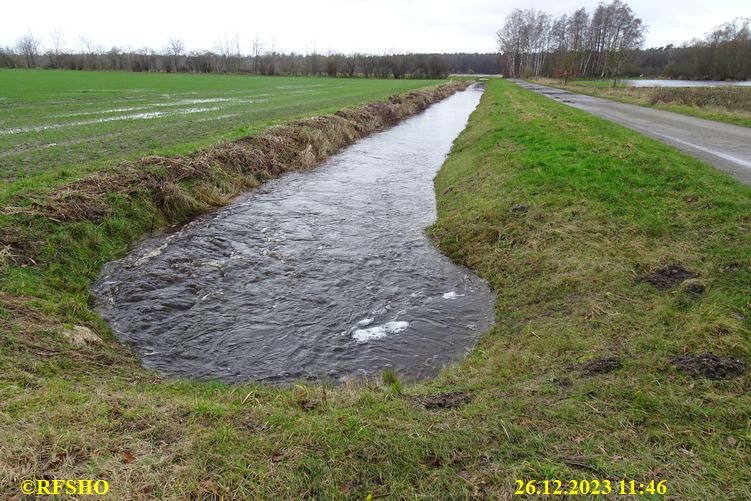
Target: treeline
(608, 43)
(488, 64)
(380, 66)
(228, 58)
(723, 54)
(597, 45)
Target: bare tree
(533, 44)
(513, 41)
(57, 40)
(176, 48)
(626, 35)
(54, 53)
(28, 46)
(332, 63)
(256, 52)
(87, 45)
(349, 64)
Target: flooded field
(323, 274)
(684, 83)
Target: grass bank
(723, 104)
(562, 212)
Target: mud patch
(599, 366)
(667, 277)
(696, 289)
(732, 268)
(449, 400)
(16, 249)
(563, 382)
(709, 366)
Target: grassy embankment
(561, 212)
(723, 104)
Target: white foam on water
(379, 331)
(365, 322)
(212, 294)
(150, 255)
(211, 264)
(452, 295)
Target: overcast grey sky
(371, 26)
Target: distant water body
(685, 83)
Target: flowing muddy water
(320, 274)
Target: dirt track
(724, 146)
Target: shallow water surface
(321, 274)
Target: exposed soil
(696, 289)
(667, 277)
(15, 248)
(732, 268)
(710, 366)
(563, 382)
(446, 400)
(599, 366)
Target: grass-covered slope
(562, 212)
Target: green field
(562, 213)
(77, 121)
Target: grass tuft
(392, 382)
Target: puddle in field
(144, 115)
(218, 117)
(181, 102)
(136, 116)
(320, 274)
